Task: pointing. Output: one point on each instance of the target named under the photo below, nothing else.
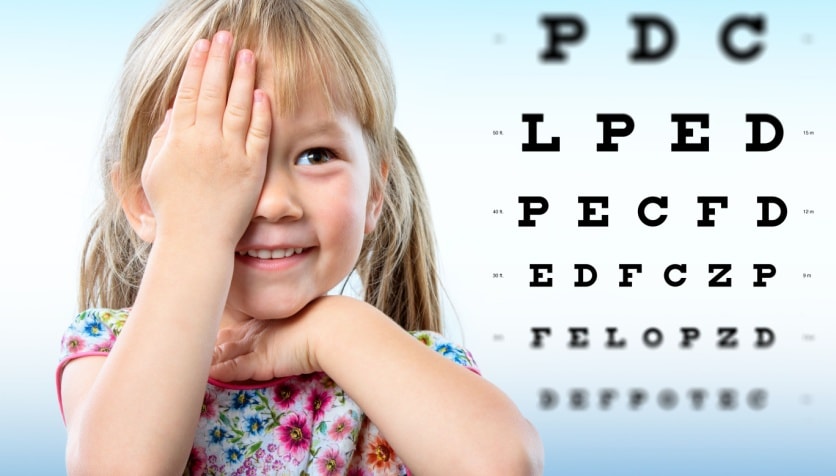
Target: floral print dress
(301, 425)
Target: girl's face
(315, 207)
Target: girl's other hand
(266, 349)
(206, 164)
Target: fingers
(227, 358)
(230, 346)
(214, 85)
(240, 102)
(237, 361)
(234, 370)
(185, 103)
(205, 94)
(202, 92)
(258, 137)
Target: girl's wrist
(198, 267)
(196, 245)
(343, 322)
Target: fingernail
(245, 56)
(258, 95)
(222, 37)
(202, 45)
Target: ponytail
(397, 264)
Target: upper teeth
(271, 254)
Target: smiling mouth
(271, 254)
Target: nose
(279, 200)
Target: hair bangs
(310, 54)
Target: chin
(267, 308)
(279, 310)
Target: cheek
(341, 214)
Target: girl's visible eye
(315, 157)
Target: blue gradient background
(463, 71)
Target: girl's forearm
(438, 416)
(144, 404)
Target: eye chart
(635, 222)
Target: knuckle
(187, 93)
(260, 132)
(212, 93)
(237, 112)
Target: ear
(135, 206)
(375, 205)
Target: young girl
(251, 165)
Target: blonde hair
(312, 41)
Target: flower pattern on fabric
(301, 425)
